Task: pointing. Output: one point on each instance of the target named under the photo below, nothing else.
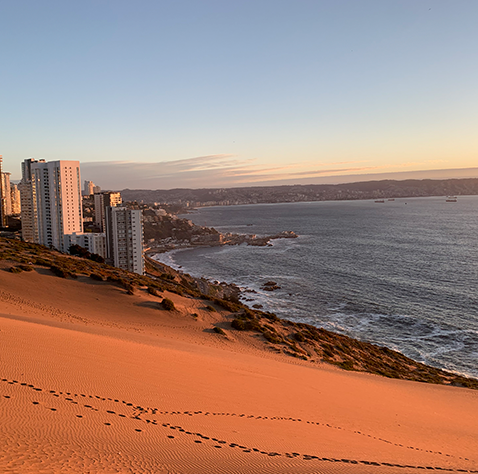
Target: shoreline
(394, 303)
(244, 293)
(239, 291)
(220, 240)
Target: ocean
(402, 273)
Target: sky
(157, 94)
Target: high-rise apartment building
(88, 189)
(28, 203)
(51, 201)
(2, 213)
(16, 203)
(124, 238)
(6, 194)
(102, 201)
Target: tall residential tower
(102, 201)
(2, 198)
(124, 238)
(51, 201)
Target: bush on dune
(168, 304)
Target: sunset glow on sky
(161, 94)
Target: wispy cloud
(202, 171)
(223, 170)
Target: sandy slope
(94, 380)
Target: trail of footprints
(139, 413)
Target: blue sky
(162, 94)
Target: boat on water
(451, 199)
(380, 200)
(391, 199)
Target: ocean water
(402, 273)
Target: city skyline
(221, 94)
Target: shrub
(15, 270)
(271, 337)
(246, 325)
(270, 316)
(229, 305)
(79, 251)
(299, 337)
(60, 272)
(328, 352)
(153, 291)
(168, 304)
(26, 268)
(346, 364)
(167, 276)
(219, 331)
(96, 276)
(114, 278)
(128, 286)
(96, 258)
(294, 348)
(239, 324)
(211, 308)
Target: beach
(94, 380)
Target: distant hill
(304, 193)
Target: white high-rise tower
(51, 201)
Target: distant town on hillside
(305, 193)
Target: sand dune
(93, 380)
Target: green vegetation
(219, 331)
(168, 304)
(62, 272)
(83, 253)
(96, 276)
(272, 338)
(153, 291)
(15, 270)
(26, 268)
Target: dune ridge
(93, 379)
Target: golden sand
(93, 380)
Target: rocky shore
(164, 232)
